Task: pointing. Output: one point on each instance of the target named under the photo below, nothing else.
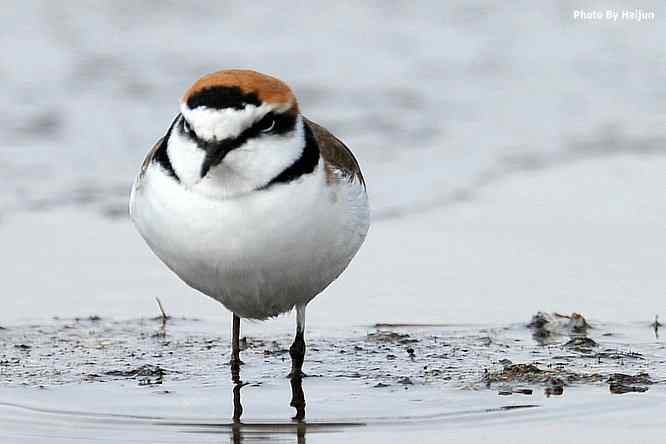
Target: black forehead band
(221, 97)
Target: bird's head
(237, 130)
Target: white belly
(258, 254)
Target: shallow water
(147, 381)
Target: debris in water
(385, 336)
(545, 325)
(620, 389)
(163, 315)
(148, 374)
(554, 388)
(405, 380)
(531, 374)
(523, 391)
(144, 370)
(620, 383)
(508, 390)
(619, 355)
(656, 325)
(581, 343)
(92, 318)
(621, 378)
(163, 318)
(516, 372)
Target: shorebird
(249, 202)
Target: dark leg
(235, 369)
(297, 353)
(235, 345)
(297, 349)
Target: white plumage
(259, 253)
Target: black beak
(215, 153)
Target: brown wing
(158, 152)
(336, 155)
(150, 156)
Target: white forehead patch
(219, 124)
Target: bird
(249, 202)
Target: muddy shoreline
(157, 381)
(503, 359)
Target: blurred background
(515, 157)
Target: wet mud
(549, 353)
(166, 375)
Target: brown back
(336, 155)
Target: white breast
(261, 253)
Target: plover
(249, 202)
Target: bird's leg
(235, 350)
(297, 349)
(235, 369)
(297, 353)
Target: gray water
(148, 381)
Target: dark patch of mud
(386, 336)
(569, 356)
(555, 379)
(619, 383)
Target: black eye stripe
(283, 123)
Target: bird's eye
(266, 124)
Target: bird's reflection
(297, 401)
(239, 434)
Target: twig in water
(164, 317)
(159, 304)
(656, 325)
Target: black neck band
(305, 164)
(162, 156)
